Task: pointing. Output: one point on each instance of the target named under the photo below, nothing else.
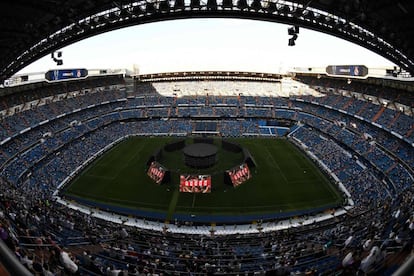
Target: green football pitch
(284, 180)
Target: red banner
(195, 183)
(239, 174)
(156, 172)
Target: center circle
(200, 155)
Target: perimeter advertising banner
(195, 183)
(239, 174)
(347, 70)
(65, 74)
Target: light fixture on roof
(58, 60)
(293, 31)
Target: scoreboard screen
(239, 174)
(65, 74)
(347, 70)
(195, 183)
(156, 172)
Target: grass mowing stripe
(194, 198)
(127, 164)
(173, 203)
(276, 165)
(330, 188)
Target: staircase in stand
(363, 108)
(348, 103)
(391, 167)
(379, 113)
(410, 132)
(394, 119)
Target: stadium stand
(43, 143)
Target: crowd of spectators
(360, 86)
(364, 187)
(42, 145)
(217, 87)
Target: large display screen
(64, 74)
(156, 172)
(195, 183)
(347, 70)
(239, 174)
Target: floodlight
(227, 4)
(296, 29)
(242, 4)
(212, 4)
(293, 31)
(59, 60)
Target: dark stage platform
(200, 155)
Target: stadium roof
(32, 29)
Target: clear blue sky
(209, 44)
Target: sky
(209, 44)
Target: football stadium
(307, 171)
